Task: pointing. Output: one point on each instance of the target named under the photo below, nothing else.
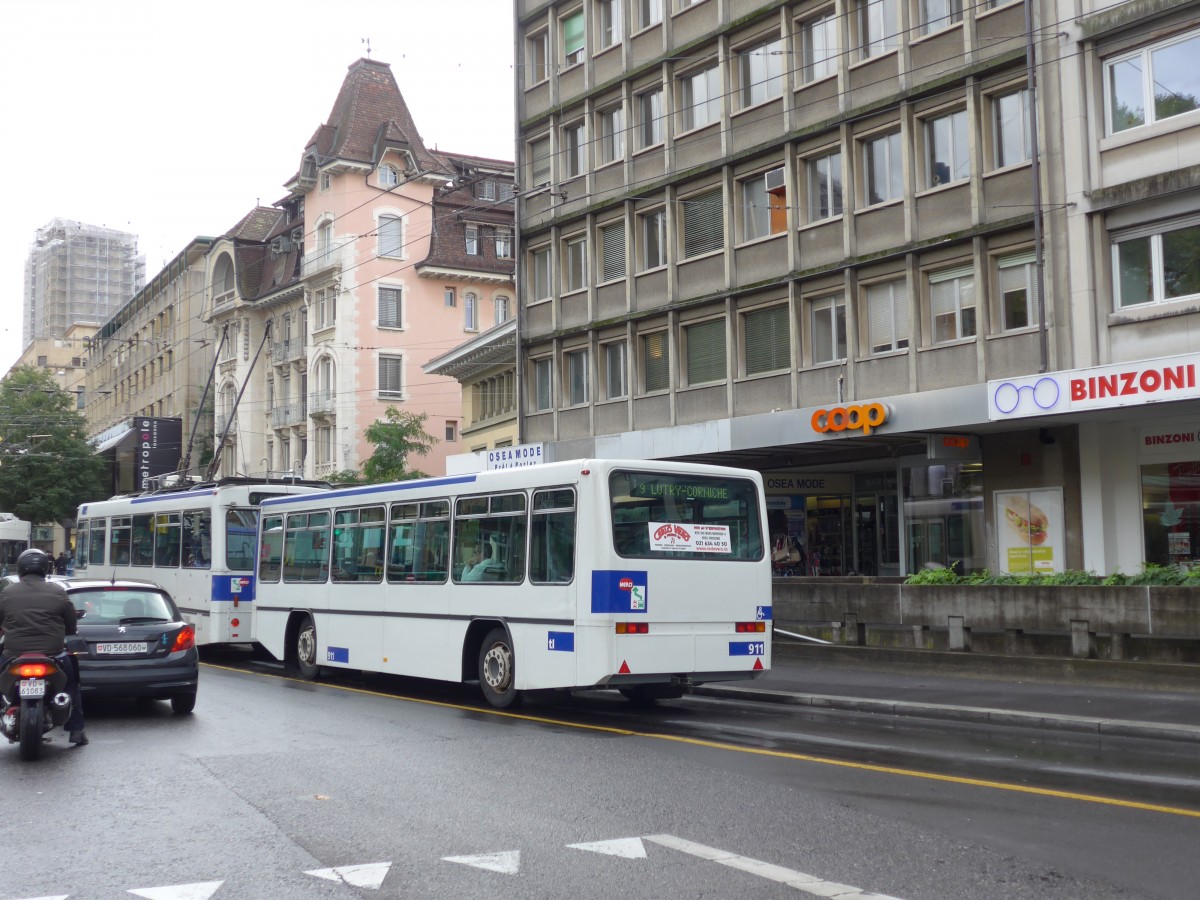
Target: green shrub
(1151, 574)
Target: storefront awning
(112, 439)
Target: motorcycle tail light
(185, 639)
(32, 670)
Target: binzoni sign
(1101, 387)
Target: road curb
(973, 714)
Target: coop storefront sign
(850, 418)
(1102, 387)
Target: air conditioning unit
(775, 180)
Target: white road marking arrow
(61, 897)
(630, 848)
(369, 876)
(201, 890)
(506, 863)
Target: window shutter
(900, 312)
(706, 352)
(768, 340)
(656, 361)
(389, 307)
(613, 237)
(391, 370)
(390, 241)
(703, 224)
(539, 152)
(573, 33)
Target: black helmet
(34, 562)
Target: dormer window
(387, 176)
(326, 181)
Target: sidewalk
(1093, 696)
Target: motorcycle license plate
(32, 688)
(117, 649)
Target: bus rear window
(660, 516)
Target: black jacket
(36, 616)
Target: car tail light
(185, 639)
(32, 670)
(750, 627)
(633, 628)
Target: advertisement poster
(1029, 530)
(690, 537)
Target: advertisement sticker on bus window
(337, 654)
(563, 641)
(692, 537)
(621, 591)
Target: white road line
(200, 890)
(506, 863)
(630, 848)
(369, 875)
(810, 884)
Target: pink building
(382, 256)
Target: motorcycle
(33, 701)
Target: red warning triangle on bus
(758, 665)
(624, 670)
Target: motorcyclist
(36, 616)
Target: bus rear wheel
(306, 649)
(497, 669)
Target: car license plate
(32, 688)
(118, 649)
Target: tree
(47, 466)
(401, 435)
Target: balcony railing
(321, 259)
(288, 414)
(287, 350)
(324, 403)
(223, 421)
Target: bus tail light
(633, 628)
(185, 639)
(750, 627)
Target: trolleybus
(197, 541)
(643, 576)
(14, 540)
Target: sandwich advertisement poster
(1029, 527)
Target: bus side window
(552, 544)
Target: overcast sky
(170, 121)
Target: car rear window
(110, 606)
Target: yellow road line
(776, 754)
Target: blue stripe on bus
(233, 587)
(560, 640)
(622, 591)
(370, 489)
(747, 648)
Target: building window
(387, 177)
(1157, 267)
(1017, 280)
(949, 156)
(537, 50)
(326, 181)
(539, 162)
(650, 118)
(575, 264)
(828, 318)
(760, 71)
(887, 316)
(764, 205)
(700, 98)
(1152, 84)
(611, 25)
(391, 236)
(703, 224)
(571, 26)
(612, 240)
(878, 24)
(767, 340)
(1013, 142)
(502, 305)
(824, 187)
(470, 312)
(820, 47)
(614, 371)
(885, 177)
(391, 376)
(486, 190)
(389, 307)
(451, 430)
(656, 362)
(472, 240)
(654, 238)
(650, 12)
(938, 14)
(451, 296)
(952, 304)
(326, 306)
(539, 277)
(612, 134)
(543, 394)
(573, 150)
(575, 365)
(705, 352)
(324, 445)
(504, 243)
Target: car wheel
(306, 649)
(182, 704)
(497, 669)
